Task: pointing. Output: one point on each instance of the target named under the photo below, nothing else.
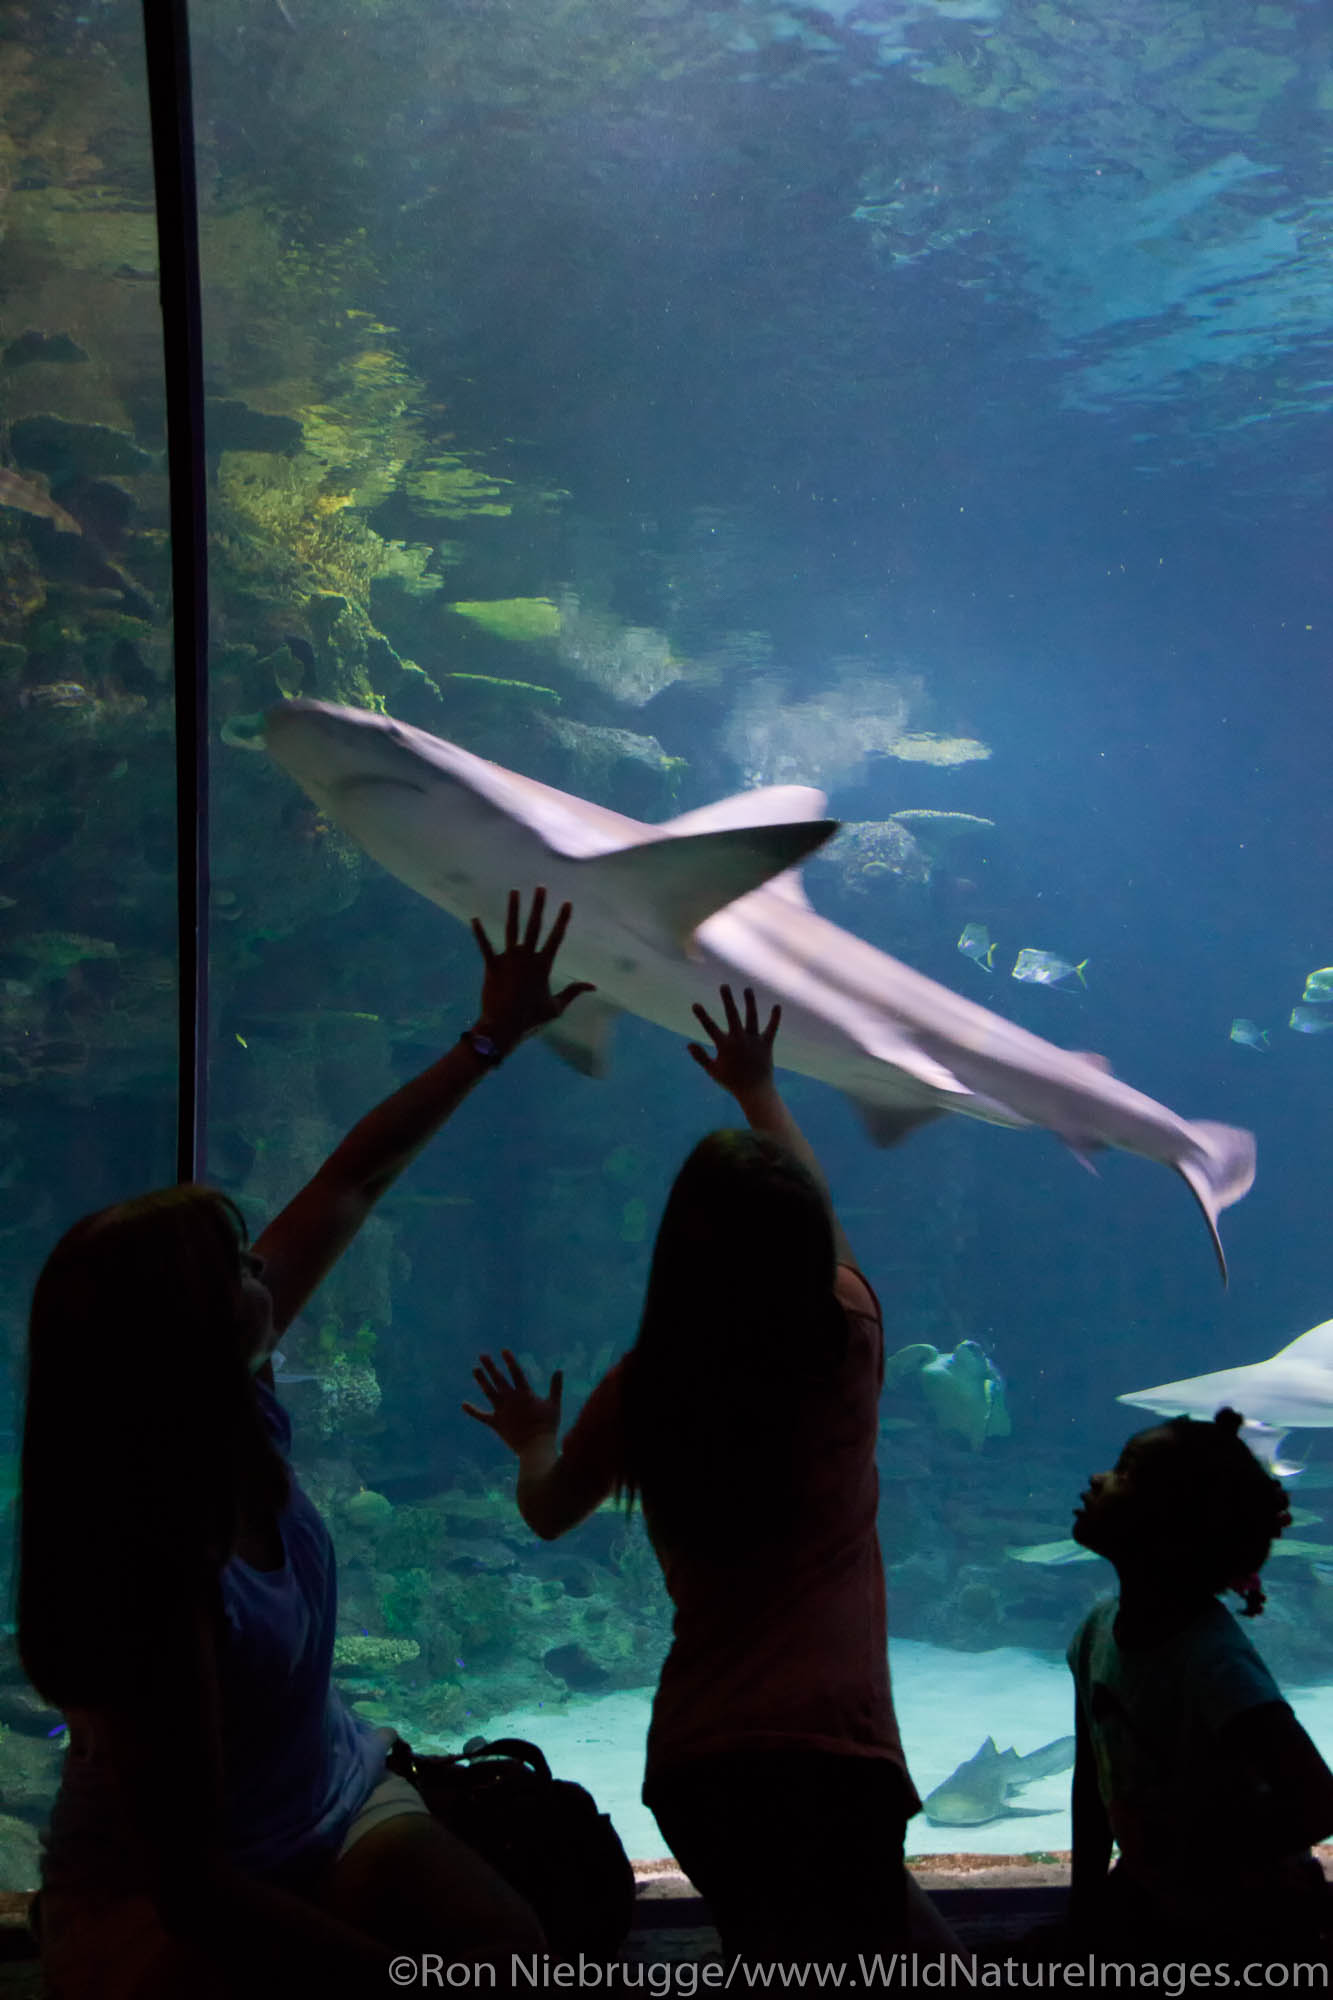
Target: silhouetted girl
(746, 1417)
(1188, 1756)
(224, 1823)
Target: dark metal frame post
(171, 111)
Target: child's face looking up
(1114, 1518)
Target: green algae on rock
(364, 1649)
(526, 620)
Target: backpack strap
(512, 1746)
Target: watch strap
(483, 1046)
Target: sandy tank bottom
(947, 1704)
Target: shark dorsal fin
(1316, 1346)
(674, 885)
(768, 805)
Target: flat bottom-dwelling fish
(979, 1790)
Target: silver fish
(1319, 986)
(1248, 1035)
(1311, 1020)
(975, 944)
(664, 913)
(1043, 968)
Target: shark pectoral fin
(886, 1043)
(683, 880)
(582, 1036)
(887, 1124)
(1266, 1444)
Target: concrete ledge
(662, 1881)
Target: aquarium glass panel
(914, 405)
(87, 774)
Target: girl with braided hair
(1188, 1756)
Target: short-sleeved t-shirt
(789, 1650)
(1154, 1713)
(297, 1764)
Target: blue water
(978, 349)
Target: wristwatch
(483, 1048)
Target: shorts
(101, 1945)
(392, 1798)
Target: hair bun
(1230, 1421)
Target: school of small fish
(1312, 1014)
(1033, 967)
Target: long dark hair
(739, 1323)
(142, 1436)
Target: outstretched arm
(301, 1244)
(742, 1064)
(556, 1490)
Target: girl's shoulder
(277, 1420)
(855, 1293)
(1094, 1636)
(1228, 1664)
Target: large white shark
(662, 914)
(1291, 1391)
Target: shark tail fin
(1050, 1759)
(1218, 1171)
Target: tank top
(297, 1764)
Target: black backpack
(543, 1834)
